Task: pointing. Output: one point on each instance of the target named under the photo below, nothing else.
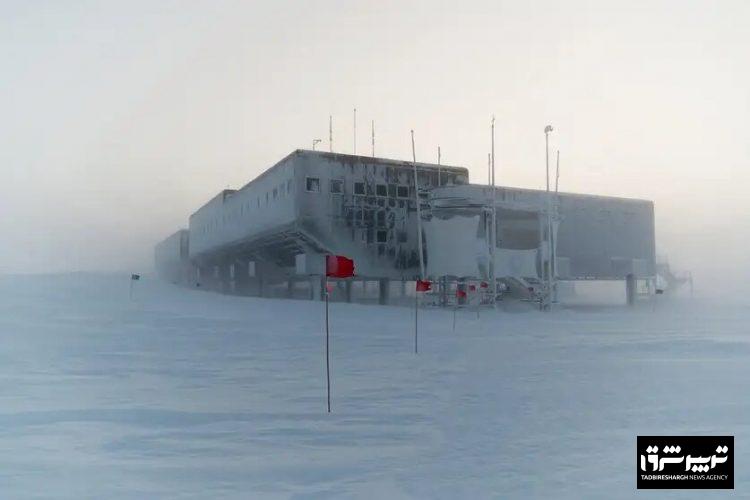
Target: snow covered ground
(187, 394)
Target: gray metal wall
(606, 238)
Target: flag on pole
(424, 286)
(133, 277)
(338, 266)
(421, 286)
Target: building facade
(267, 234)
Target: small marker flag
(484, 284)
(424, 286)
(460, 294)
(338, 266)
(135, 277)
(472, 288)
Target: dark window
(275, 193)
(337, 186)
(381, 190)
(289, 186)
(403, 191)
(359, 188)
(266, 198)
(381, 218)
(392, 190)
(401, 236)
(312, 184)
(382, 236)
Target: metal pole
(547, 130)
(494, 221)
(439, 183)
(355, 131)
(419, 208)
(330, 133)
(373, 138)
(328, 362)
(416, 320)
(455, 308)
(489, 169)
(554, 238)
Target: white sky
(121, 118)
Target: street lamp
(315, 143)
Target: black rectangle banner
(685, 462)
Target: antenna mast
(419, 209)
(330, 133)
(439, 181)
(494, 218)
(355, 131)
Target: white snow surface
(187, 394)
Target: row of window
(283, 189)
(312, 185)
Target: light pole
(548, 297)
(315, 143)
(493, 248)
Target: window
(381, 190)
(312, 184)
(359, 188)
(392, 190)
(275, 193)
(337, 186)
(403, 191)
(401, 236)
(289, 186)
(382, 236)
(381, 218)
(266, 198)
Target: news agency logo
(685, 462)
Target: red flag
(472, 288)
(338, 266)
(424, 286)
(484, 284)
(460, 294)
